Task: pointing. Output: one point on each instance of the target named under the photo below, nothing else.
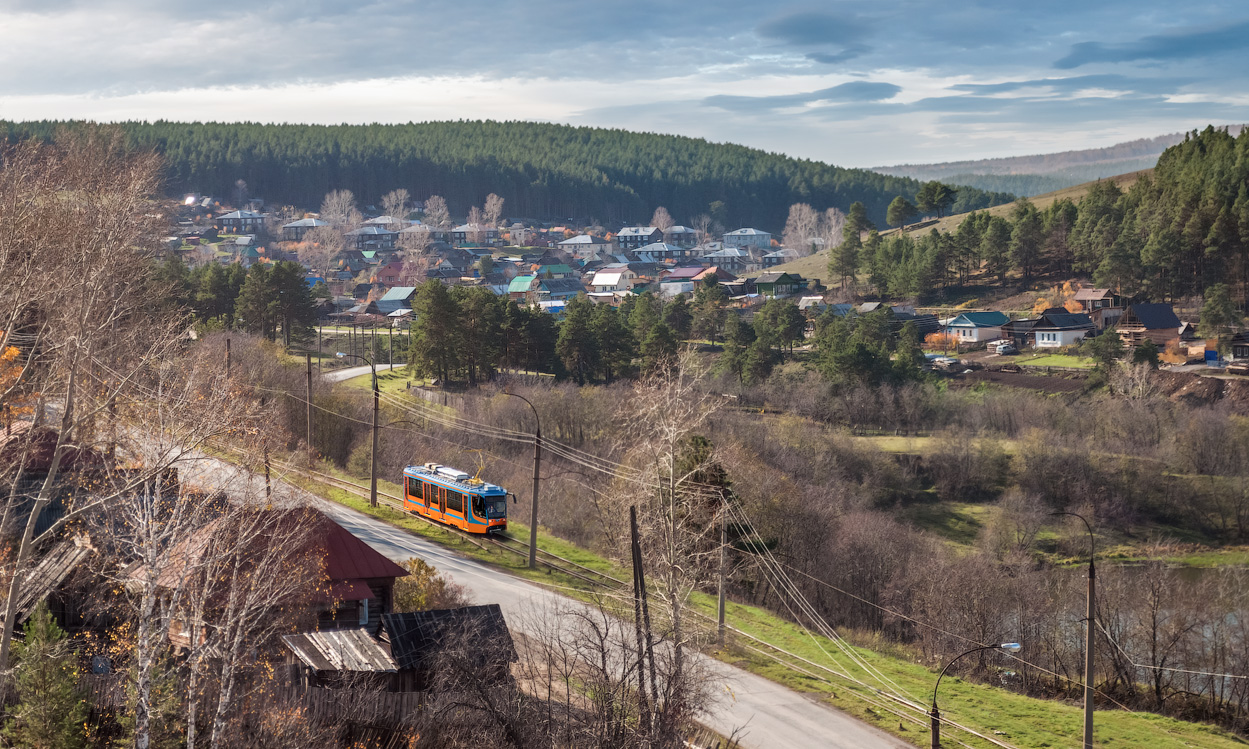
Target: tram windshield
(496, 508)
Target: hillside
(816, 266)
(1042, 173)
(542, 171)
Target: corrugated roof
(606, 279)
(340, 650)
(747, 232)
(640, 231)
(349, 558)
(521, 285)
(1089, 295)
(398, 294)
(1064, 321)
(417, 635)
(991, 319)
(311, 222)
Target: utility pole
(724, 542)
(639, 577)
(373, 457)
(308, 436)
(268, 485)
(637, 615)
(1089, 633)
(227, 358)
(533, 510)
(537, 462)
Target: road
(339, 375)
(766, 715)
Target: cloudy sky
(850, 83)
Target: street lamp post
(376, 400)
(537, 461)
(935, 714)
(1088, 635)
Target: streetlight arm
(1012, 646)
(1089, 528)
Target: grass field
(1025, 722)
(1056, 360)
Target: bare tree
(320, 248)
(436, 213)
(476, 226)
(831, 228)
(661, 219)
(800, 228)
(493, 210)
(702, 225)
(339, 209)
(278, 217)
(396, 204)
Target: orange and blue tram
(451, 496)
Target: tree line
(543, 171)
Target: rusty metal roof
(340, 650)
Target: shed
(418, 637)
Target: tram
(451, 496)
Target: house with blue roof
(977, 327)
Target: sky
(849, 83)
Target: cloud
(853, 91)
(1073, 84)
(1178, 46)
(813, 28)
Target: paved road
(339, 375)
(768, 715)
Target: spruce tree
(52, 711)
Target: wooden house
(1155, 322)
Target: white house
(977, 327)
(1055, 330)
(613, 279)
(583, 245)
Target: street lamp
(537, 460)
(935, 714)
(376, 400)
(1088, 635)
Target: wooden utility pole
(308, 436)
(268, 484)
(639, 574)
(637, 616)
(227, 358)
(373, 457)
(724, 542)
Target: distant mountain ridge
(1041, 173)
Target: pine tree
(52, 710)
(577, 346)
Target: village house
(474, 234)
(662, 252)
(295, 230)
(1057, 328)
(681, 236)
(779, 284)
(977, 327)
(372, 238)
(634, 237)
(1103, 307)
(758, 242)
(613, 278)
(732, 259)
(242, 222)
(783, 255)
(583, 246)
(1155, 322)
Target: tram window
(455, 501)
(479, 506)
(498, 508)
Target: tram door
(442, 500)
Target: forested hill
(541, 170)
